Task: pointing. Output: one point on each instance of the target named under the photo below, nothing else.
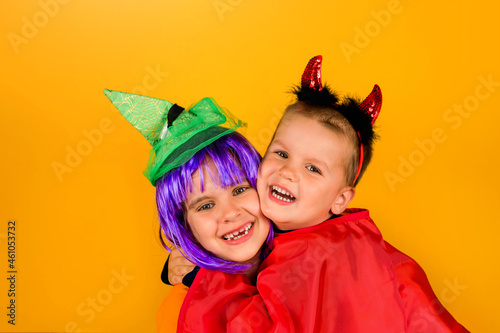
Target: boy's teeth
(276, 188)
(283, 193)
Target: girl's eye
(282, 154)
(312, 168)
(206, 206)
(240, 190)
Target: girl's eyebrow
(197, 201)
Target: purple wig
(236, 160)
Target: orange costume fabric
(338, 276)
(168, 313)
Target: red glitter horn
(372, 104)
(312, 74)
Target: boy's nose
(288, 173)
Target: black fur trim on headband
(348, 107)
(325, 97)
(360, 121)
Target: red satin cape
(338, 276)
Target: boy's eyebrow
(277, 141)
(316, 161)
(197, 201)
(312, 159)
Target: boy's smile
(302, 180)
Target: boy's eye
(206, 206)
(240, 190)
(312, 168)
(282, 154)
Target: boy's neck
(255, 262)
(280, 231)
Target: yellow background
(79, 228)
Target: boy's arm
(424, 311)
(222, 302)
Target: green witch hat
(175, 133)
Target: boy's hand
(178, 267)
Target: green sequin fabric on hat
(176, 144)
(146, 114)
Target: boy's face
(301, 179)
(226, 221)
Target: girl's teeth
(238, 234)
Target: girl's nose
(231, 212)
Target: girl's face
(226, 221)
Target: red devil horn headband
(312, 74)
(372, 104)
(311, 78)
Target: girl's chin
(244, 258)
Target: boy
(329, 269)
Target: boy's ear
(343, 199)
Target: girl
(205, 177)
